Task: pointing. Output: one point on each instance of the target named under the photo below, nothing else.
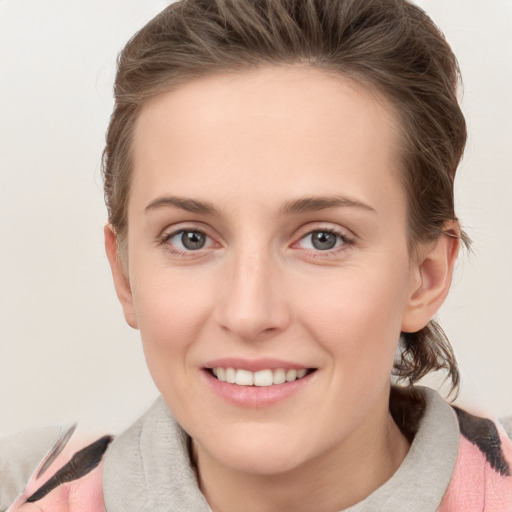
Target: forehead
(281, 126)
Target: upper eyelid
(346, 239)
(185, 226)
(171, 234)
(320, 226)
(171, 231)
(347, 236)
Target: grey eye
(323, 240)
(188, 240)
(193, 240)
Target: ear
(431, 278)
(121, 281)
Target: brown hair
(390, 45)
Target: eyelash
(167, 237)
(346, 241)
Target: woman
(279, 181)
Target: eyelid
(313, 227)
(171, 231)
(347, 237)
(174, 229)
(173, 234)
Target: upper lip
(253, 365)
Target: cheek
(169, 302)
(357, 319)
(172, 310)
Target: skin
(250, 144)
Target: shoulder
(53, 468)
(469, 456)
(20, 454)
(488, 438)
(482, 478)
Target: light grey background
(65, 352)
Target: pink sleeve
(59, 485)
(475, 484)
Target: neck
(335, 480)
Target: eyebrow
(184, 203)
(317, 203)
(297, 206)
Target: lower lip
(256, 396)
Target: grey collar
(147, 468)
(420, 482)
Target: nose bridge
(252, 303)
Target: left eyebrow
(317, 203)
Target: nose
(252, 305)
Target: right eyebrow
(183, 203)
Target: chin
(256, 454)
(262, 464)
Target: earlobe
(432, 279)
(121, 281)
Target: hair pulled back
(390, 45)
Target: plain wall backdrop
(65, 351)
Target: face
(269, 271)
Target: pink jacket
(69, 481)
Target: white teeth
(263, 378)
(291, 375)
(244, 378)
(279, 376)
(260, 378)
(230, 375)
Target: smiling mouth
(260, 378)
